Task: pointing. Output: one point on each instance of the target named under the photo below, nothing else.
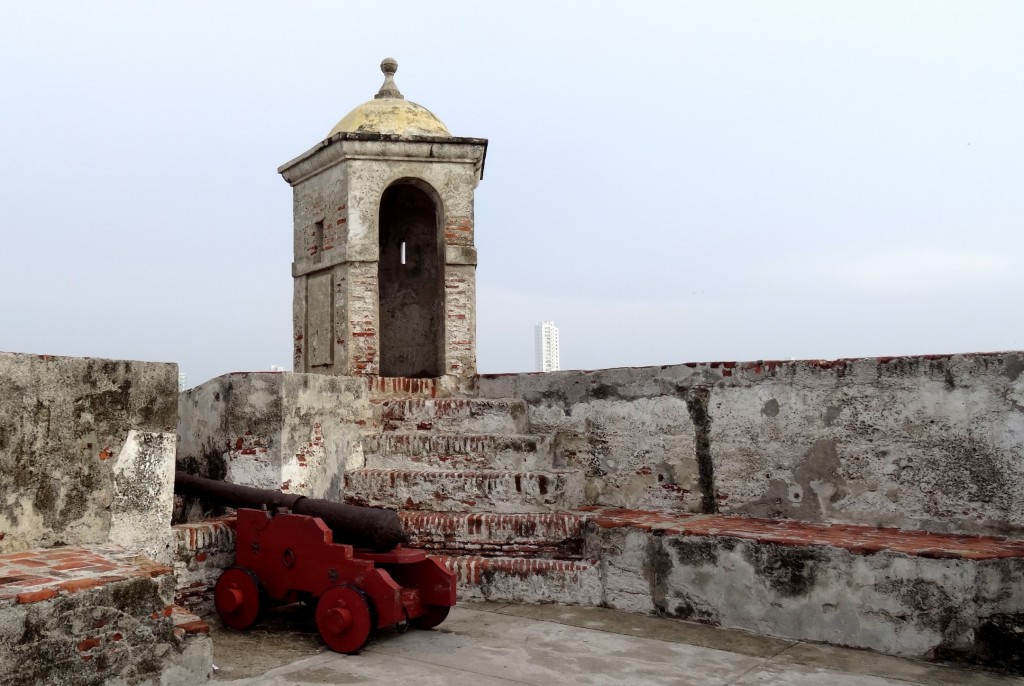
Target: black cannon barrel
(362, 527)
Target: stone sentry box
(385, 264)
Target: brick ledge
(858, 539)
(39, 574)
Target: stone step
(394, 450)
(552, 535)
(466, 415)
(465, 490)
(569, 582)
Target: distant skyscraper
(182, 381)
(546, 336)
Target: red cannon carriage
(283, 557)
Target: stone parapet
(859, 540)
(907, 593)
(931, 442)
(93, 615)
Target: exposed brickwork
(475, 485)
(465, 490)
(861, 540)
(447, 444)
(185, 623)
(460, 324)
(403, 385)
(202, 551)
(363, 343)
(526, 580)
(245, 446)
(463, 415)
(458, 231)
(472, 569)
(496, 535)
(452, 451)
(200, 535)
(837, 366)
(345, 246)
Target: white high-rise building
(546, 340)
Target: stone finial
(389, 90)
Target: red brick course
(36, 596)
(194, 627)
(202, 549)
(862, 540)
(489, 534)
(199, 534)
(76, 585)
(403, 385)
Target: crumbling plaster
(86, 450)
(274, 430)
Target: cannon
(286, 552)
(362, 527)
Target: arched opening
(410, 284)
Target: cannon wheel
(345, 617)
(237, 597)
(434, 615)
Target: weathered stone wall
(86, 452)
(932, 442)
(937, 603)
(274, 430)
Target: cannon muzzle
(361, 527)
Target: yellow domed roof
(391, 116)
(390, 113)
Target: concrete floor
(551, 644)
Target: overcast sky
(668, 182)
